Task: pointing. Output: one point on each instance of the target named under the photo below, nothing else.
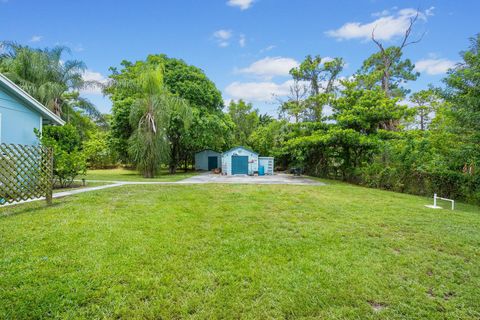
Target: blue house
(20, 114)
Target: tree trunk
(422, 121)
(148, 173)
(386, 82)
(172, 168)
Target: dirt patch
(448, 295)
(377, 306)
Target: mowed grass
(240, 251)
(123, 174)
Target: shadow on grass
(26, 208)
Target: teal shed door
(212, 163)
(239, 164)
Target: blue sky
(246, 47)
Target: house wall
(227, 160)
(201, 159)
(17, 121)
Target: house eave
(32, 102)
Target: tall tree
(320, 74)
(151, 116)
(387, 67)
(387, 70)
(463, 87)
(310, 70)
(332, 70)
(366, 111)
(180, 79)
(425, 103)
(463, 94)
(245, 118)
(295, 104)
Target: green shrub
(98, 153)
(69, 160)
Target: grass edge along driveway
(129, 175)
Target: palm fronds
(54, 82)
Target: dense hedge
(445, 183)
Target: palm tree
(150, 116)
(49, 79)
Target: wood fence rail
(26, 172)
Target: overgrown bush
(69, 160)
(410, 170)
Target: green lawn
(122, 174)
(239, 251)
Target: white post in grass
(435, 197)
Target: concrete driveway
(279, 178)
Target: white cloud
(36, 38)
(386, 26)
(222, 37)
(242, 41)
(270, 67)
(78, 48)
(90, 75)
(429, 11)
(381, 13)
(327, 59)
(242, 4)
(269, 48)
(223, 34)
(258, 91)
(434, 66)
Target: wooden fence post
(49, 182)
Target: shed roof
(240, 147)
(30, 101)
(208, 150)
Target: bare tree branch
(389, 59)
(376, 41)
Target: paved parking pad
(280, 178)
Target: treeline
(163, 110)
(376, 132)
(366, 129)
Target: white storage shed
(239, 160)
(208, 160)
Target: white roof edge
(31, 100)
(240, 147)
